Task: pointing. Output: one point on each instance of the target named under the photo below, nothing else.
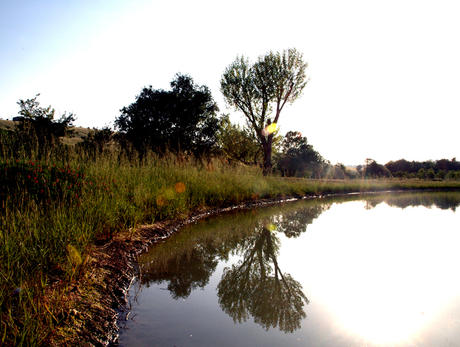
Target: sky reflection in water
(314, 273)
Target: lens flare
(179, 187)
(269, 129)
(270, 226)
(164, 196)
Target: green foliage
(37, 134)
(181, 120)
(238, 144)
(38, 124)
(453, 175)
(298, 156)
(375, 170)
(97, 141)
(430, 173)
(438, 169)
(262, 88)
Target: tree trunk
(267, 146)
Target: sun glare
(381, 284)
(269, 129)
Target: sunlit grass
(52, 211)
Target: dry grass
(79, 132)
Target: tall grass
(53, 209)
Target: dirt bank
(95, 299)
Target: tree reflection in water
(257, 287)
(254, 287)
(199, 266)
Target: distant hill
(6, 124)
(79, 132)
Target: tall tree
(262, 90)
(182, 119)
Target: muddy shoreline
(99, 296)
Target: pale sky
(384, 75)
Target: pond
(376, 270)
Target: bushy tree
(297, 155)
(97, 140)
(180, 120)
(238, 143)
(375, 170)
(262, 88)
(37, 131)
(40, 121)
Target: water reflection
(253, 285)
(442, 200)
(200, 264)
(257, 287)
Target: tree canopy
(180, 120)
(262, 90)
(427, 169)
(238, 143)
(39, 121)
(36, 131)
(297, 155)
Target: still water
(379, 270)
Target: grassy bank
(53, 212)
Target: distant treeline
(439, 169)
(432, 170)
